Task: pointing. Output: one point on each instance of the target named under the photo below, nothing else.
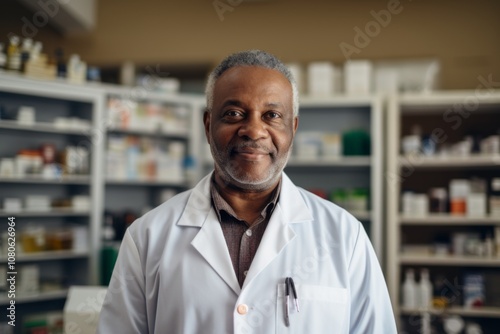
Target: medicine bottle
(409, 290)
(438, 198)
(459, 190)
(13, 54)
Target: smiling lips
(251, 153)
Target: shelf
(145, 183)
(336, 101)
(437, 102)
(472, 161)
(47, 256)
(74, 179)
(59, 212)
(450, 260)
(480, 312)
(44, 127)
(358, 161)
(39, 297)
(448, 220)
(183, 134)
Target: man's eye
(232, 113)
(273, 115)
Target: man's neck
(246, 204)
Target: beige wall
(463, 35)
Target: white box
(37, 203)
(29, 280)
(80, 238)
(82, 308)
(386, 81)
(321, 79)
(413, 75)
(476, 205)
(308, 145)
(298, 74)
(332, 145)
(12, 204)
(358, 77)
(80, 203)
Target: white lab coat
(174, 274)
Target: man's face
(251, 126)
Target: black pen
(287, 302)
(296, 298)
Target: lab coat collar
(210, 242)
(294, 210)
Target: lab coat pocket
(322, 309)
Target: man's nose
(253, 128)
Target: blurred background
(188, 38)
(100, 121)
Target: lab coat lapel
(209, 241)
(291, 208)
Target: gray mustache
(252, 145)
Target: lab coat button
(248, 233)
(242, 309)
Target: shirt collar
(220, 205)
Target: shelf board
(481, 312)
(354, 161)
(153, 183)
(74, 179)
(336, 101)
(447, 219)
(157, 133)
(449, 260)
(44, 127)
(474, 160)
(47, 256)
(56, 212)
(39, 297)
(438, 101)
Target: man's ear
(295, 124)
(206, 124)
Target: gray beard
(230, 175)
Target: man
(246, 251)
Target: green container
(109, 254)
(356, 143)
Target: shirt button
(242, 309)
(245, 272)
(248, 233)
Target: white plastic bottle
(410, 290)
(425, 289)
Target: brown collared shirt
(242, 238)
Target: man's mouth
(251, 153)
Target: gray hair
(251, 58)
